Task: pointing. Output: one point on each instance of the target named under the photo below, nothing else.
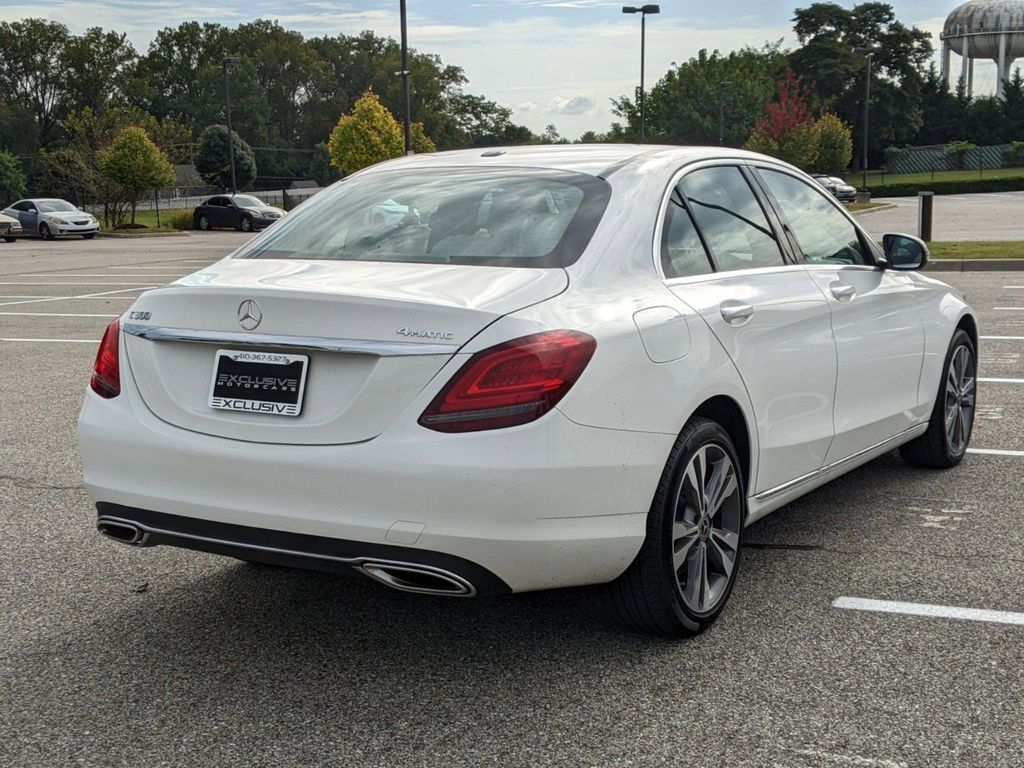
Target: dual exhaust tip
(405, 577)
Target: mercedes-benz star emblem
(249, 314)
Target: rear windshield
(509, 217)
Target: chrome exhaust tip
(422, 580)
(123, 532)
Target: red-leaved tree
(788, 130)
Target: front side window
(824, 234)
(497, 217)
(682, 252)
(734, 224)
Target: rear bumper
(550, 504)
(296, 550)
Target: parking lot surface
(162, 657)
(989, 216)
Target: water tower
(992, 30)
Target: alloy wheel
(706, 528)
(960, 399)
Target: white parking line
(925, 609)
(1013, 287)
(1010, 309)
(50, 314)
(1002, 381)
(70, 298)
(53, 284)
(56, 341)
(47, 274)
(1002, 338)
(995, 452)
(62, 298)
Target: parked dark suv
(242, 212)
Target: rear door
(767, 313)
(875, 316)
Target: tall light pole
(721, 110)
(407, 110)
(228, 61)
(643, 10)
(868, 53)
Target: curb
(139, 235)
(878, 209)
(975, 265)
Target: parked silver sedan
(50, 218)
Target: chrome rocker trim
(890, 442)
(320, 343)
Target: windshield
(54, 206)
(506, 217)
(247, 201)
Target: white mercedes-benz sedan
(479, 372)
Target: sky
(551, 61)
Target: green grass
(148, 219)
(1010, 249)
(855, 207)
(875, 178)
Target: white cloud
(577, 105)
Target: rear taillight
(510, 384)
(106, 373)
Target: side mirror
(31, 210)
(905, 252)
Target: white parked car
(50, 218)
(10, 228)
(575, 365)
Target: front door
(875, 318)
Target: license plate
(259, 382)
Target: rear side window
(732, 220)
(682, 252)
(498, 217)
(824, 234)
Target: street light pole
(407, 110)
(868, 54)
(721, 110)
(228, 61)
(643, 10)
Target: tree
(788, 131)
(33, 72)
(828, 34)
(835, 144)
(370, 134)
(682, 107)
(12, 180)
(213, 158)
(136, 164)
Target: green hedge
(960, 187)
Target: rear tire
(204, 223)
(10, 239)
(949, 429)
(683, 575)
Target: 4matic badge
(419, 334)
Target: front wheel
(247, 225)
(681, 579)
(44, 232)
(949, 430)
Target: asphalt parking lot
(162, 657)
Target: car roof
(592, 159)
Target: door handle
(735, 313)
(843, 292)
